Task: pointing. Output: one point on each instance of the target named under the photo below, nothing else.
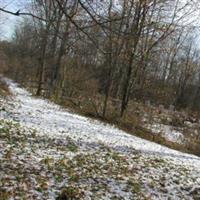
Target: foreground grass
(34, 166)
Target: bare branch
(18, 13)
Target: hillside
(47, 152)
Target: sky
(8, 22)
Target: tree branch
(18, 13)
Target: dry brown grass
(91, 106)
(4, 91)
(133, 124)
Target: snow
(54, 121)
(168, 132)
(51, 149)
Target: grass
(131, 121)
(4, 91)
(70, 192)
(91, 172)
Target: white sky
(8, 22)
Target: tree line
(108, 52)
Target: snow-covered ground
(52, 121)
(167, 132)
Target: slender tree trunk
(58, 78)
(42, 62)
(125, 89)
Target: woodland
(100, 56)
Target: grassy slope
(38, 167)
(132, 121)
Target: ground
(46, 152)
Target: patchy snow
(51, 119)
(40, 167)
(168, 132)
(51, 149)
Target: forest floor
(47, 152)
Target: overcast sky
(9, 21)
